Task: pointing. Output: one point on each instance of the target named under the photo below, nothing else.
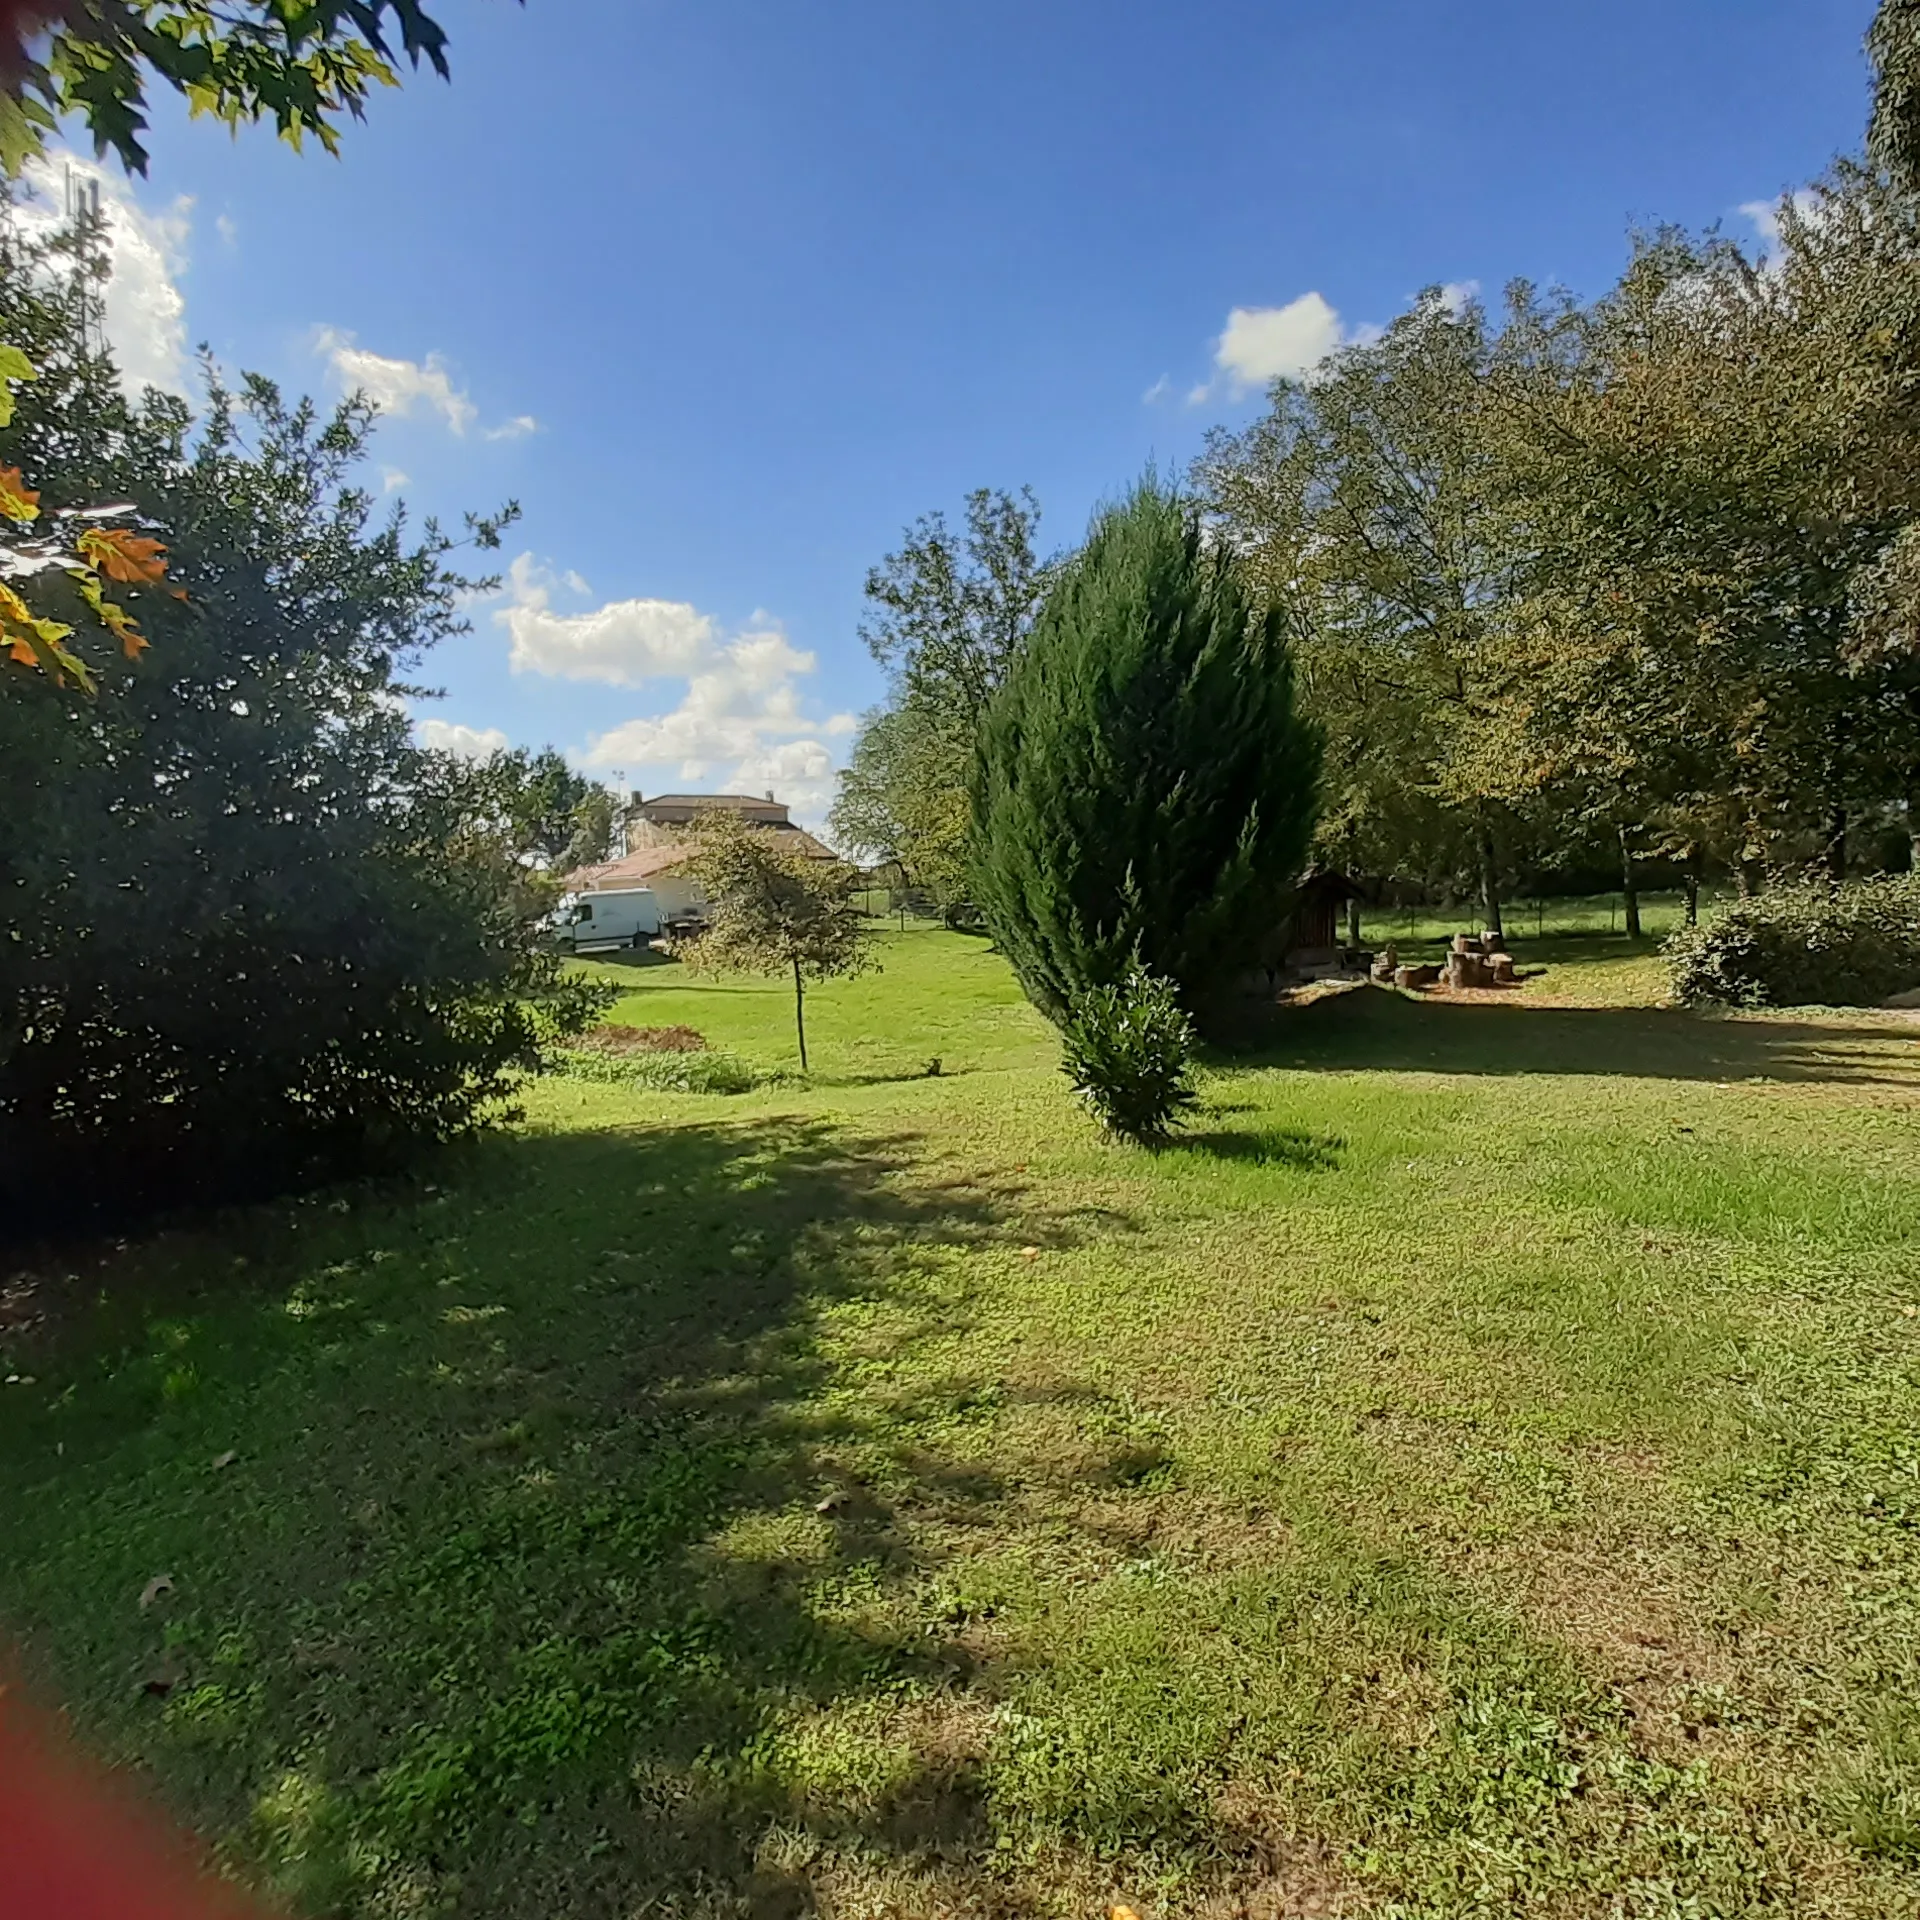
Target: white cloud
(739, 725)
(467, 743)
(1260, 345)
(392, 477)
(396, 386)
(1766, 216)
(742, 695)
(228, 230)
(1158, 391)
(143, 308)
(1264, 344)
(625, 642)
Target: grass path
(1478, 1473)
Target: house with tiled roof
(658, 842)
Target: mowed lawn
(1477, 1473)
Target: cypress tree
(1143, 786)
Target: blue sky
(726, 291)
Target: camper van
(621, 916)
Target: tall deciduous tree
(951, 612)
(1372, 508)
(1719, 488)
(1893, 134)
(903, 800)
(773, 910)
(1143, 788)
(544, 811)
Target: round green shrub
(1804, 945)
(1129, 1053)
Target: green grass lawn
(1477, 1473)
(1576, 917)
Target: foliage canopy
(304, 65)
(951, 612)
(254, 938)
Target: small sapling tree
(774, 909)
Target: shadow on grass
(629, 957)
(1393, 1032)
(893, 1078)
(545, 1521)
(1290, 1147)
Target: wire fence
(1583, 916)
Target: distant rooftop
(680, 809)
(675, 850)
(703, 802)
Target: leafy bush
(254, 936)
(665, 1072)
(1809, 945)
(1129, 1054)
(1144, 786)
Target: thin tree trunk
(1913, 825)
(1837, 842)
(1490, 881)
(1353, 920)
(1692, 883)
(1629, 893)
(800, 1014)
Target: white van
(621, 916)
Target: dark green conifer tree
(1143, 783)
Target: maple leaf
(125, 556)
(32, 641)
(116, 619)
(14, 365)
(18, 501)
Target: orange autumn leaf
(125, 556)
(122, 625)
(18, 501)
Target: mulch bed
(612, 1038)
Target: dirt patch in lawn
(614, 1038)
